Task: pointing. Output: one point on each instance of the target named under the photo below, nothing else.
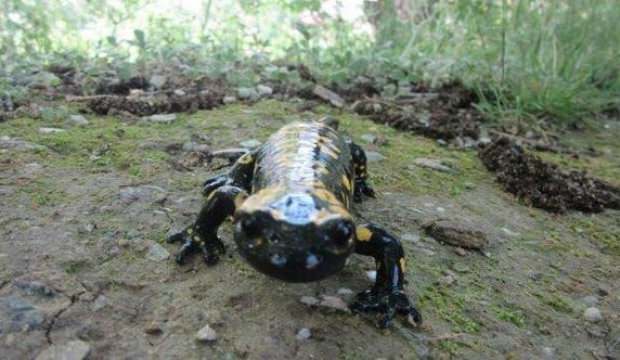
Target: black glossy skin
(290, 201)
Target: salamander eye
(339, 233)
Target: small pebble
(157, 252)
(78, 120)
(460, 251)
(100, 302)
(371, 275)
(46, 130)
(229, 99)
(303, 334)
(264, 90)
(161, 118)
(590, 300)
(344, 292)
(410, 237)
(593, 314)
(334, 302)
(206, 334)
(548, 352)
(369, 138)
(448, 279)
(309, 300)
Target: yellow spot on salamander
(346, 183)
(239, 199)
(245, 159)
(363, 233)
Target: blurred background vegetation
(553, 59)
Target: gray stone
(48, 130)
(247, 93)
(303, 334)
(433, 164)
(18, 315)
(264, 90)
(157, 252)
(448, 278)
(593, 314)
(78, 120)
(548, 353)
(334, 302)
(100, 302)
(371, 275)
(328, 95)
(179, 92)
(410, 237)
(457, 234)
(250, 144)
(73, 350)
(206, 334)
(309, 300)
(460, 251)
(373, 156)
(19, 145)
(590, 300)
(344, 292)
(160, 118)
(158, 81)
(229, 99)
(369, 138)
(34, 287)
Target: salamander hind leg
(202, 235)
(387, 297)
(361, 173)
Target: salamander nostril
(278, 260)
(340, 233)
(312, 261)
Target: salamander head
(296, 237)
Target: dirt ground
(84, 213)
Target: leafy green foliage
(526, 58)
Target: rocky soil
(85, 271)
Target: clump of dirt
(122, 87)
(446, 113)
(544, 185)
(149, 104)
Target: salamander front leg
(387, 296)
(202, 235)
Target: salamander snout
(293, 252)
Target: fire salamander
(290, 200)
